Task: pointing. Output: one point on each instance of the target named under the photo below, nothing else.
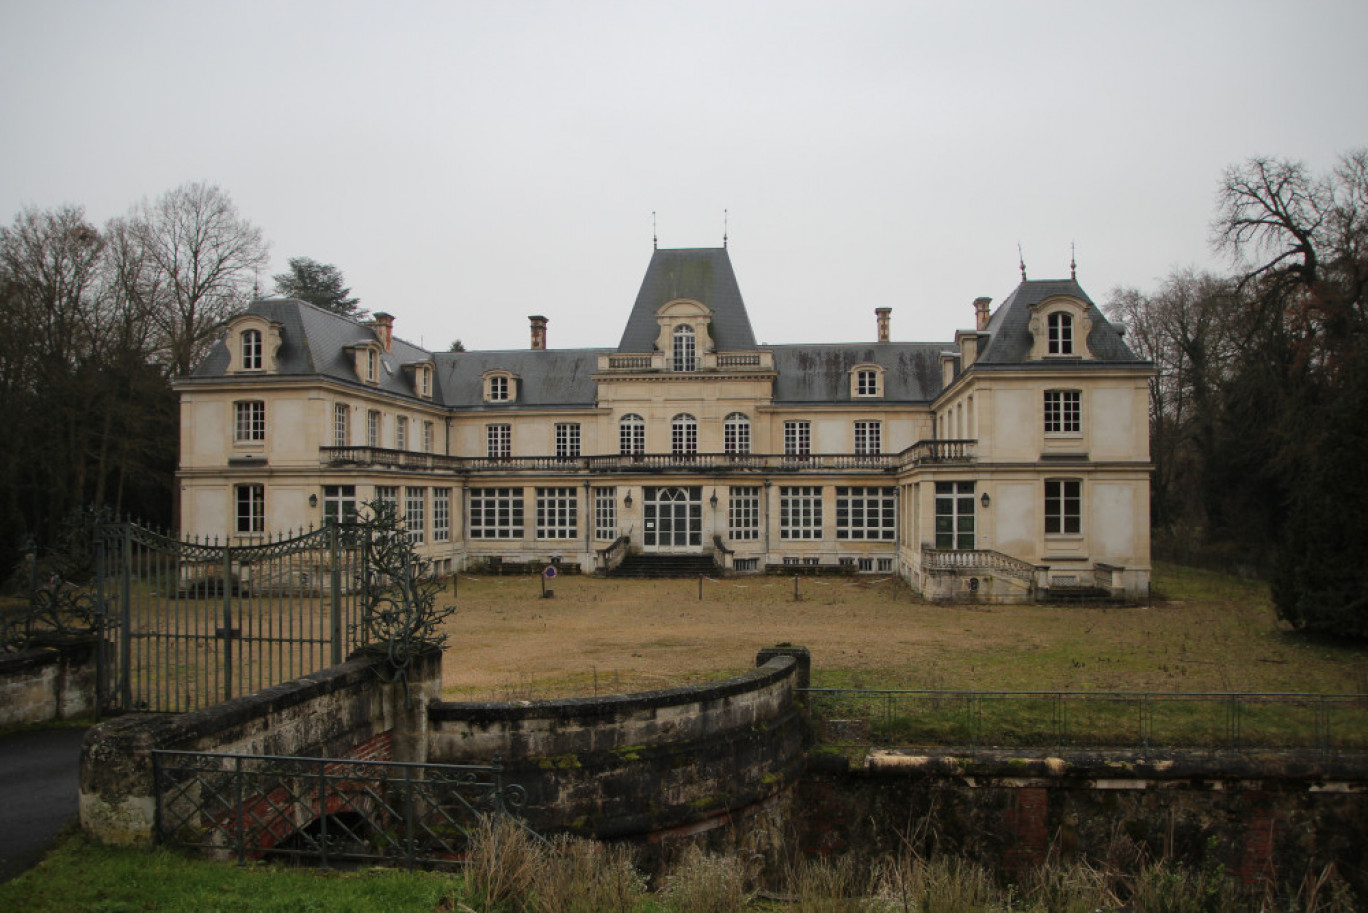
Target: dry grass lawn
(1206, 632)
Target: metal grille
(325, 810)
(195, 622)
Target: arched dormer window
(736, 433)
(1060, 332)
(500, 387)
(866, 381)
(683, 434)
(251, 350)
(632, 434)
(1059, 328)
(685, 349)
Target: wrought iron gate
(188, 622)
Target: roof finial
(655, 239)
(1021, 259)
(1073, 262)
(724, 229)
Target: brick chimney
(882, 314)
(981, 314)
(538, 332)
(383, 324)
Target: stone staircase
(661, 566)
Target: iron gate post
(126, 628)
(227, 633)
(335, 555)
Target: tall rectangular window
(736, 434)
(499, 439)
(1063, 506)
(373, 428)
(867, 383)
(866, 513)
(567, 440)
(1063, 411)
(251, 508)
(955, 515)
(401, 433)
(249, 420)
(251, 350)
(495, 513)
(557, 513)
(498, 389)
(605, 513)
(339, 503)
(743, 512)
(800, 512)
(797, 438)
(341, 425)
(868, 437)
(427, 437)
(1060, 331)
(388, 495)
(632, 434)
(441, 515)
(415, 514)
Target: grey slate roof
(821, 373)
(704, 274)
(546, 377)
(1010, 334)
(313, 341)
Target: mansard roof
(821, 373)
(315, 341)
(703, 274)
(546, 377)
(1009, 342)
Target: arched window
(683, 434)
(251, 350)
(736, 433)
(632, 434)
(1061, 333)
(685, 350)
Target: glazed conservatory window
(415, 514)
(955, 515)
(557, 513)
(496, 513)
(605, 513)
(800, 512)
(441, 514)
(865, 513)
(743, 512)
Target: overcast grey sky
(468, 164)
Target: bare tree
(195, 263)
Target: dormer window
(685, 349)
(1060, 332)
(251, 350)
(372, 365)
(425, 382)
(500, 387)
(866, 381)
(1059, 328)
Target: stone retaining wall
(640, 765)
(48, 683)
(342, 712)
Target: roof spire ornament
(1073, 262)
(655, 239)
(1021, 260)
(724, 229)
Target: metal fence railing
(324, 811)
(1145, 721)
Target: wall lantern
(985, 500)
(713, 499)
(313, 500)
(627, 501)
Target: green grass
(81, 876)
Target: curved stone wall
(637, 765)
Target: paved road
(39, 771)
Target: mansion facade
(1007, 463)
